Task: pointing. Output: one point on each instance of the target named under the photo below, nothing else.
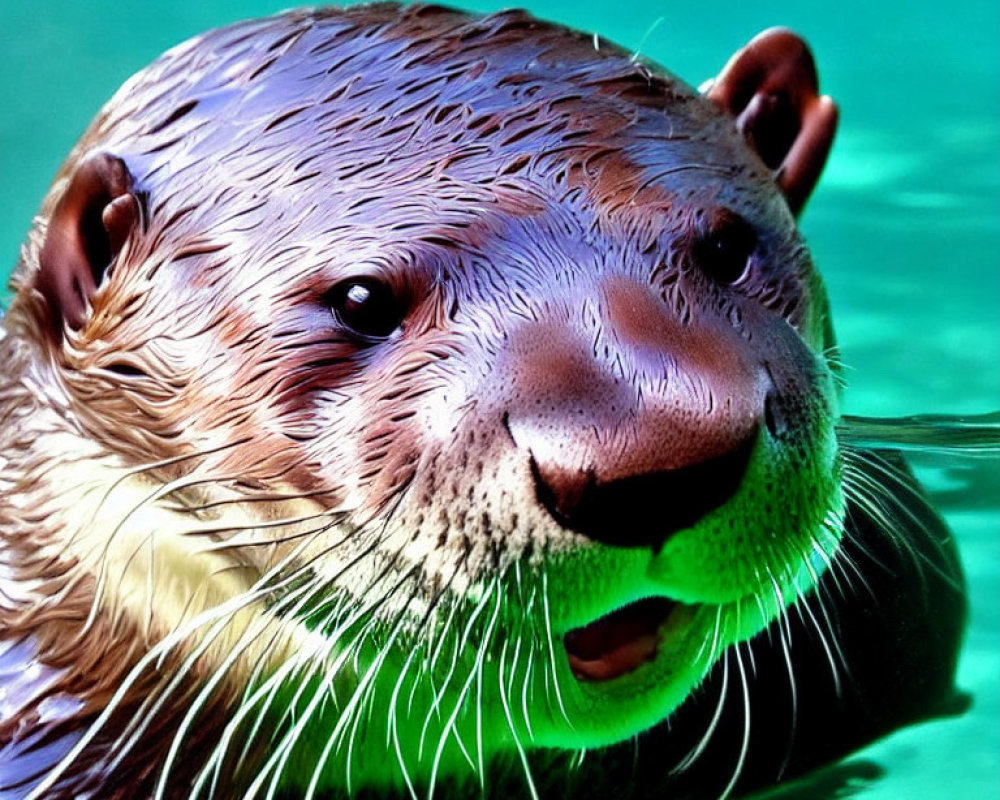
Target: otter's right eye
(724, 252)
(367, 307)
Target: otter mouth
(620, 642)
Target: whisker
(505, 704)
(449, 726)
(354, 706)
(745, 745)
(547, 617)
(785, 641)
(696, 752)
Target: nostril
(562, 490)
(774, 418)
(640, 510)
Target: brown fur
(515, 185)
(187, 307)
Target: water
(905, 226)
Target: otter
(403, 402)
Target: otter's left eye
(724, 252)
(366, 306)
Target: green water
(905, 226)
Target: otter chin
(403, 402)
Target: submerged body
(399, 400)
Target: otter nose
(643, 509)
(637, 428)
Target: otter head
(486, 363)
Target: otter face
(491, 362)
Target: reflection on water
(970, 436)
(848, 779)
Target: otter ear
(772, 89)
(86, 230)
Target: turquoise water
(905, 227)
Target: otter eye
(724, 252)
(367, 307)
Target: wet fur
(243, 489)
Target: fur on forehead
(260, 115)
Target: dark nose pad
(640, 510)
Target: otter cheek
(777, 531)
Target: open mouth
(619, 642)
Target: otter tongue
(618, 642)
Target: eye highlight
(723, 252)
(367, 307)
